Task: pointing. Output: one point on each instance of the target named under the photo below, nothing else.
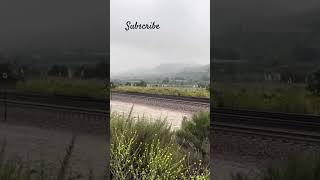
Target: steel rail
(274, 124)
(180, 99)
(58, 107)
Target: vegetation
(194, 134)
(58, 71)
(146, 149)
(306, 167)
(314, 83)
(17, 169)
(89, 88)
(175, 91)
(293, 98)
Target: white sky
(184, 35)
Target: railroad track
(284, 125)
(57, 107)
(272, 124)
(178, 99)
(59, 100)
(98, 103)
(76, 119)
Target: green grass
(15, 168)
(142, 148)
(88, 88)
(292, 98)
(299, 167)
(175, 91)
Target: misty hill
(171, 70)
(267, 31)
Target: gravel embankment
(162, 103)
(248, 153)
(172, 111)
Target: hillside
(172, 70)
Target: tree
(7, 74)
(313, 81)
(101, 70)
(58, 71)
(165, 81)
(141, 83)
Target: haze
(184, 36)
(53, 24)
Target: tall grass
(18, 169)
(299, 167)
(194, 136)
(292, 98)
(88, 88)
(175, 91)
(146, 149)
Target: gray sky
(53, 24)
(184, 35)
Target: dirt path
(173, 116)
(35, 144)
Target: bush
(305, 167)
(146, 149)
(86, 88)
(278, 97)
(173, 91)
(17, 169)
(314, 83)
(194, 135)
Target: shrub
(146, 149)
(174, 91)
(17, 169)
(314, 83)
(194, 135)
(292, 98)
(86, 88)
(306, 167)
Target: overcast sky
(53, 24)
(183, 37)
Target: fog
(53, 24)
(183, 37)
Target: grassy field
(14, 168)
(293, 98)
(175, 91)
(296, 167)
(89, 88)
(146, 149)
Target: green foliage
(9, 74)
(175, 91)
(99, 70)
(314, 83)
(141, 84)
(194, 135)
(88, 88)
(17, 169)
(58, 71)
(306, 167)
(292, 98)
(146, 149)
